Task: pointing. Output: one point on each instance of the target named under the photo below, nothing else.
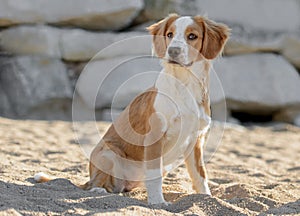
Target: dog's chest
(179, 106)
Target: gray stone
(72, 44)
(32, 40)
(5, 107)
(269, 15)
(115, 82)
(291, 49)
(290, 114)
(78, 45)
(297, 121)
(155, 10)
(219, 111)
(110, 115)
(30, 82)
(243, 42)
(104, 15)
(258, 82)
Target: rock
(90, 14)
(73, 44)
(5, 107)
(243, 42)
(297, 121)
(279, 126)
(258, 82)
(291, 49)
(79, 45)
(32, 40)
(256, 14)
(115, 82)
(233, 121)
(142, 27)
(29, 82)
(155, 10)
(290, 114)
(110, 114)
(219, 111)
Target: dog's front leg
(154, 166)
(196, 168)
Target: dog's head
(186, 40)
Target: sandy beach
(255, 171)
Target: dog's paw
(99, 190)
(160, 204)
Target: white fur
(179, 39)
(179, 103)
(184, 119)
(154, 186)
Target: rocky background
(44, 45)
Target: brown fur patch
(214, 37)
(198, 154)
(135, 118)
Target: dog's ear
(158, 30)
(215, 36)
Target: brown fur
(139, 112)
(214, 38)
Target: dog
(168, 121)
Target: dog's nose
(174, 51)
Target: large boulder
(90, 14)
(32, 40)
(79, 45)
(115, 82)
(32, 82)
(258, 83)
(270, 15)
(5, 107)
(285, 43)
(155, 10)
(242, 41)
(291, 49)
(267, 15)
(72, 44)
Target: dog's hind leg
(102, 162)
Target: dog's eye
(170, 35)
(192, 36)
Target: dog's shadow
(60, 196)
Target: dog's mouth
(179, 63)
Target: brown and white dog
(169, 120)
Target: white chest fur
(179, 103)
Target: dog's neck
(194, 78)
(199, 70)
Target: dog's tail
(42, 177)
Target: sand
(255, 171)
